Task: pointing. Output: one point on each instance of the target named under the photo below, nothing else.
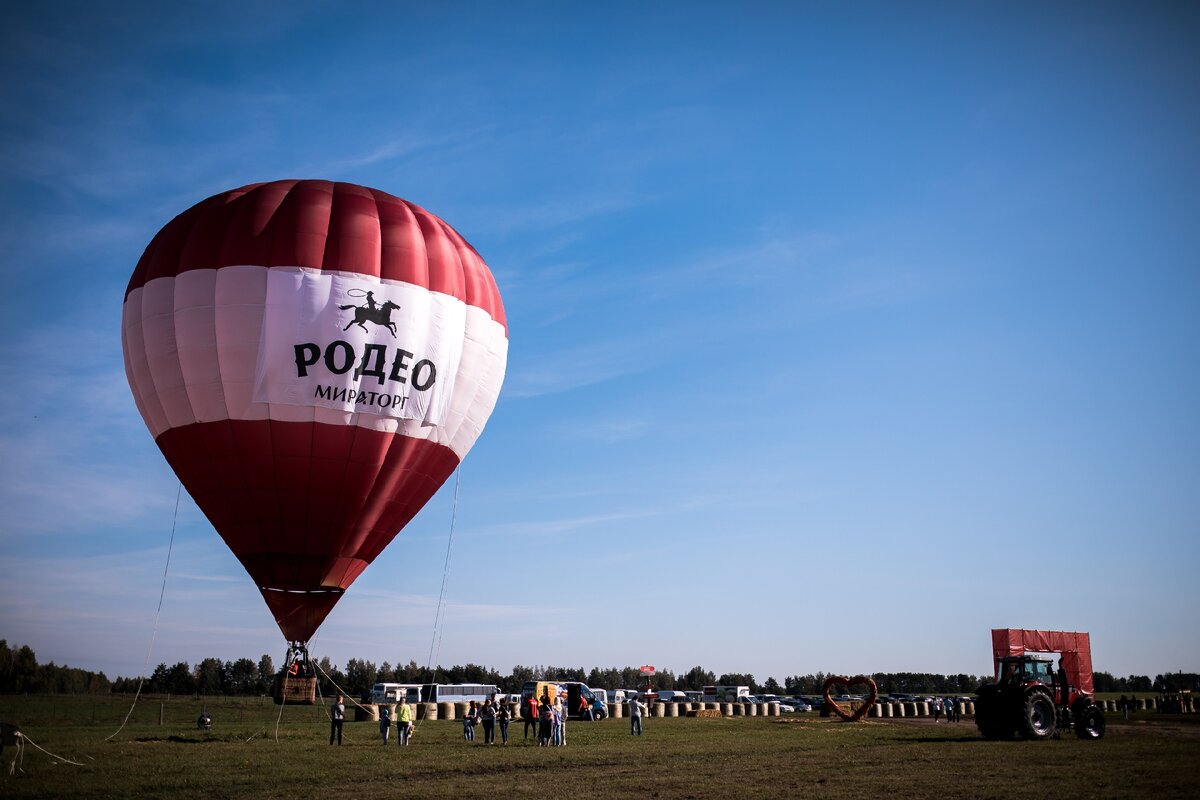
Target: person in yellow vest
(404, 721)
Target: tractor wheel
(992, 716)
(1037, 716)
(1089, 723)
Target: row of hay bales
(885, 709)
(451, 711)
(880, 709)
(1147, 704)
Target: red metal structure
(1076, 650)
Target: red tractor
(1030, 698)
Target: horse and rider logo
(381, 315)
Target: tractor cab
(1027, 668)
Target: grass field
(1152, 755)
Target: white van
(395, 692)
(671, 696)
(616, 696)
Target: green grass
(799, 755)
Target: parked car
(799, 704)
(785, 705)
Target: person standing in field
(937, 708)
(529, 713)
(404, 720)
(385, 723)
(469, 721)
(545, 721)
(562, 721)
(635, 716)
(488, 715)
(503, 716)
(556, 722)
(336, 716)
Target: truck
(725, 694)
(1029, 698)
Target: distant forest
(20, 673)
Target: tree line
(20, 673)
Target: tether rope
(434, 645)
(436, 642)
(154, 633)
(21, 739)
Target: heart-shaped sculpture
(834, 680)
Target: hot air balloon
(313, 359)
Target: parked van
(539, 689)
(577, 692)
(615, 696)
(395, 692)
(672, 696)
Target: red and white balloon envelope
(314, 359)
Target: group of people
(404, 723)
(547, 718)
(949, 706)
(491, 713)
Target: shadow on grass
(175, 739)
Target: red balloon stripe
(322, 225)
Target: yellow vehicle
(538, 689)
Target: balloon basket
(291, 690)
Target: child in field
(469, 721)
(385, 723)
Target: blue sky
(839, 333)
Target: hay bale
(427, 711)
(446, 711)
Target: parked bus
(457, 692)
(395, 692)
